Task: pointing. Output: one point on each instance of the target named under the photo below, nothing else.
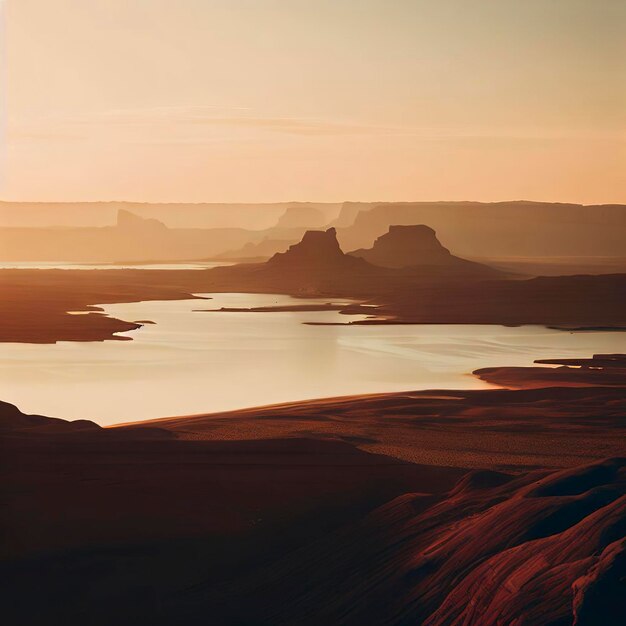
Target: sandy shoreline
(519, 424)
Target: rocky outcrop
(317, 249)
(561, 544)
(315, 265)
(543, 548)
(403, 246)
(417, 246)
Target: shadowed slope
(13, 421)
(114, 526)
(300, 524)
(541, 549)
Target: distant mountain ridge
(131, 222)
(501, 229)
(519, 230)
(252, 215)
(132, 238)
(302, 217)
(256, 250)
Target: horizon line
(327, 202)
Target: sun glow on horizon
(240, 101)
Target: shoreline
(303, 505)
(510, 427)
(36, 304)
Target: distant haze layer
(111, 232)
(254, 216)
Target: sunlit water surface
(194, 362)
(68, 265)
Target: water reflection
(192, 362)
(65, 265)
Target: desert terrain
(312, 313)
(426, 507)
(497, 505)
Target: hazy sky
(268, 100)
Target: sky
(321, 100)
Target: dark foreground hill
(219, 519)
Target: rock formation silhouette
(417, 246)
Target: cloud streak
(181, 117)
(183, 124)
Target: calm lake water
(67, 265)
(193, 362)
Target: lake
(68, 265)
(192, 362)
